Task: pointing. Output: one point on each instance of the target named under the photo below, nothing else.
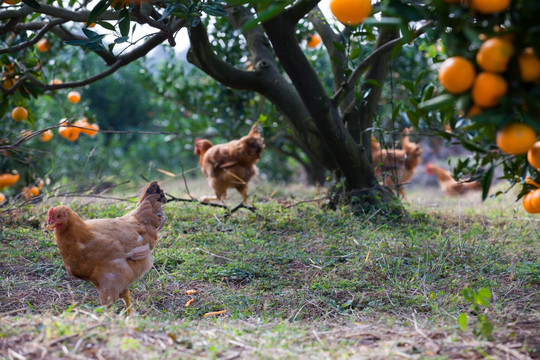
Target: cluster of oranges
(7, 180)
(484, 75)
(71, 132)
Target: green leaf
(339, 46)
(486, 184)
(484, 294)
(32, 3)
(98, 10)
(106, 25)
(438, 102)
(462, 321)
(123, 22)
(265, 15)
(409, 86)
(121, 40)
(213, 9)
(428, 92)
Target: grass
(296, 282)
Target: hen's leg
(126, 295)
(244, 192)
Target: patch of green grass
(285, 270)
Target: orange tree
(489, 85)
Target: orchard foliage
(329, 97)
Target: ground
(296, 281)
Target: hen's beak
(49, 227)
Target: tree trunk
(335, 133)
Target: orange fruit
(489, 6)
(494, 55)
(456, 74)
(12, 2)
(529, 65)
(526, 202)
(516, 138)
(9, 81)
(488, 89)
(2, 198)
(74, 97)
(55, 82)
(68, 132)
(313, 40)
(29, 193)
(533, 155)
(83, 122)
(94, 131)
(19, 113)
(534, 200)
(350, 12)
(43, 45)
(46, 136)
(89, 26)
(7, 180)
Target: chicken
(110, 253)
(448, 185)
(230, 165)
(396, 166)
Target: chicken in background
(110, 253)
(396, 166)
(230, 165)
(448, 185)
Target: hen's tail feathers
(255, 130)
(149, 209)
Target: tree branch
(300, 9)
(368, 61)
(121, 61)
(35, 39)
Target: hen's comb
(197, 140)
(51, 211)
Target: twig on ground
(212, 254)
(305, 202)
(185, 183)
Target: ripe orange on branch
(46, 136)
(533, 155)
(489, 6)
(457, 74)
(529, 65)
(68, 132)
(7, 180)
(494, 55)
(350, 12)
(527, 205)
(19, 113)
(516, 138)
(313, 40)
(43, 45)
(74, 97)
(488, 89)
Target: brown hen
(230, 165)
(110, 253)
